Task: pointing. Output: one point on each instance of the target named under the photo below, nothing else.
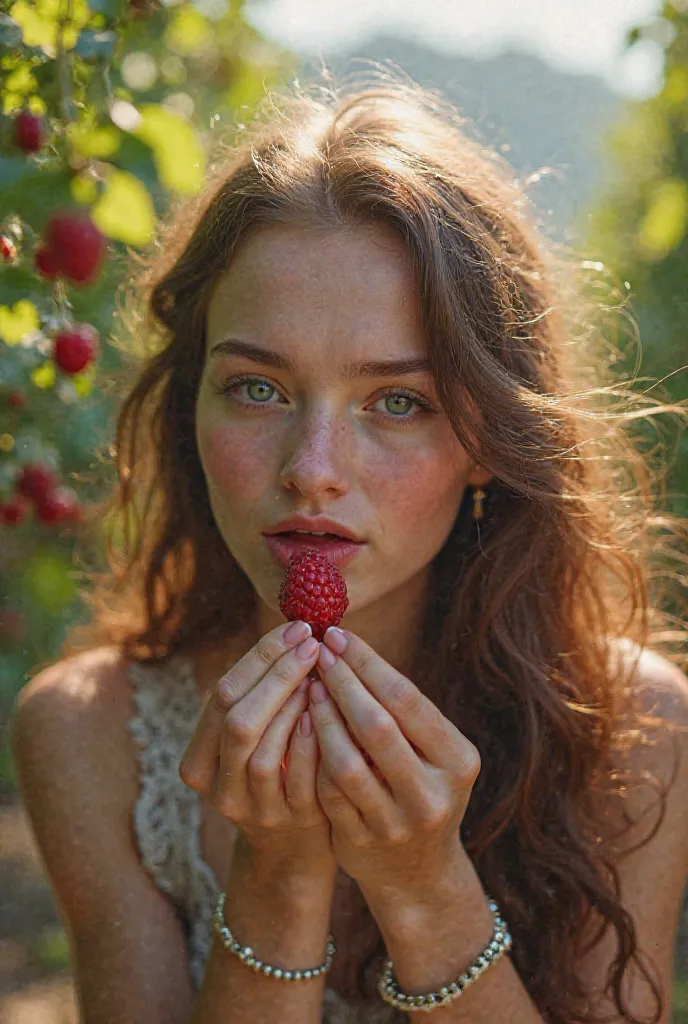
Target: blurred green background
(616, 191)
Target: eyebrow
(369, 368)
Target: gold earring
(479, 503)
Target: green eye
(259, 391)
(398, 404)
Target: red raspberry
(76, 245)
(8, 250)
(14, 511)
(28, 131)
(46, 262)
(36, 481)
(58, 506)
(313, 589)
(74, 347)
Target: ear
(478, 477)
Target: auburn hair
(528, 602)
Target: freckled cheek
(417, 494)
(238, 465)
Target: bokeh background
(587, 101)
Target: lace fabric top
(167, 820)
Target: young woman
(354, 333)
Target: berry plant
(108, 112)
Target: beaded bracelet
(245, 953)
(500, 944)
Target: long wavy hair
(528, 602)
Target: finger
(299, 778)
(231, 687)
(264, 767)
(375, 730)
(233, 732)
(423, 724)
(345, 765)
(341, 812)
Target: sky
(573, 35)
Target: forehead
(349, 287)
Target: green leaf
(125, 210)
(47, 580)
(664, 224)
(100, 142)
(17, 321)
(178, 154)
(44, 376)
(188, 33)
(39, 22)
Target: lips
(337, 550)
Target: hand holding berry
(395, 823)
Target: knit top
(167, 820)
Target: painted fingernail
(297, 632)
(326, 658)
(336, 639)
(305, 724)
(307, 649)
(318, 693)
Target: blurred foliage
(639, 228)
(132, 94)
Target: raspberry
(75, 244)
(28, 131)
(8, 250)
(75, 347)
(46, 262)
(36, 481)
(313, 589)
(59, 506)
(12, 512)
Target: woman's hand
(254, 764)
(395, 775)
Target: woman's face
(291, 421)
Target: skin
(322, 443)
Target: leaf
(44, 376)
(100, 142)
(664, 224)
(39, 22)
(188, 33)
(178, 154)
(125, 210)
(47, 579)
(83, 382)
(17, 321)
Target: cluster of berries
(38, 485)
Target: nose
(317, 462)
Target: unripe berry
(13, 511)
(46, 262)
(75, 347)
(36, 481)
(76, 245)
(8, 250)
(28, 131)
(58, 506)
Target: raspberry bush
(107, 110)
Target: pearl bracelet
(245, 953)
(500, 944)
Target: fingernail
(336, 639)
(307, 649)
(318, 692)
(297, 632)
(305, 724)
(326, 658)
(303, 686)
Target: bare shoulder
(661, 688)
(78, 779)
